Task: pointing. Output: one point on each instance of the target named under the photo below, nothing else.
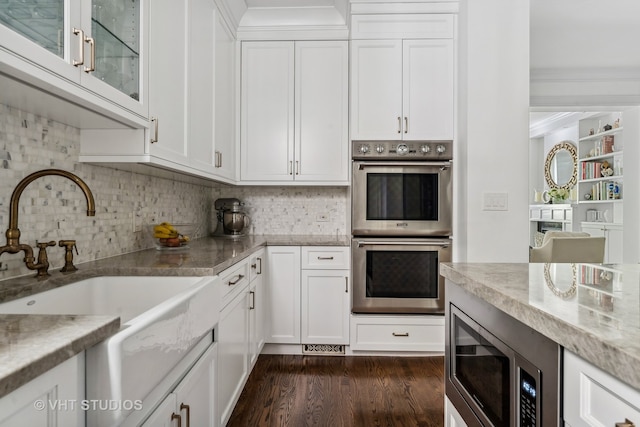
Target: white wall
(493, 124)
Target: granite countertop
(33, 344)
(591, 310)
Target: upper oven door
(394, 198)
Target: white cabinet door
(202, 48)
(52, 399)
(168, 59)
(196, 393)
(225, 100)
(283, 297)
(427, 89)
(192, 402)
(593, 397)
(77, 49)
(211, 92)
(321, 111)
(267, 113)
(376, 89)
(326, 298)
(233, 353)
(257, 306)
(48, 42)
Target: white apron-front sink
(161, 318)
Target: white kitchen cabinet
(192, 402)
(183, 102)
(91, 51)
(52, 399)
(326, 303)
(211, 99)
(233, 353)
(614, 237)
(326, 295)
(283, 295)
(402, 89)
(257, 310)
(294, 112)
(593, 397)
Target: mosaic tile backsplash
(53, 208)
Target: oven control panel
(399, 150)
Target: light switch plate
(495, 202)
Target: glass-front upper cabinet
(115, 29)
(94, 43)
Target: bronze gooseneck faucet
(13, 245)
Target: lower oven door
(398, 275)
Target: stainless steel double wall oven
(401, 225)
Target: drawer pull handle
(233, 282)
(400, 334)
(325, 258)
(255, 265)
(184, 407)
(252, 306)
(175, 416)
(627, 423)
(346, 285)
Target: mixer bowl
(234, 222)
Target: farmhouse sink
(161, 318)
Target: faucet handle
(69, 244)
(43, 245)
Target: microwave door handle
(441, 165)
(443, 243)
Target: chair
(564, 246)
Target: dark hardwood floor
(343, 391)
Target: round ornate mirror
(561, 166)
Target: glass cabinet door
(115, 28)
(41, 21)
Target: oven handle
(441, 243)
(443, 165)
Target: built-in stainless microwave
(499, 372)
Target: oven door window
(402, 274)
(402, 196)
(483, 371)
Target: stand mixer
(232, 221)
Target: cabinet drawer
(233, 279)
(325, 257)
(595, 398)
(389, 333)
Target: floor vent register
(324, 349)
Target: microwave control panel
(528, 400)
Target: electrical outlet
(322, 217)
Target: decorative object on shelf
(537, 196)
(558, 195)
(605, 169)
(561, 166)
(607, 144)
(607, 127)
(616, 124)
(592, 131)
(587, 196)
